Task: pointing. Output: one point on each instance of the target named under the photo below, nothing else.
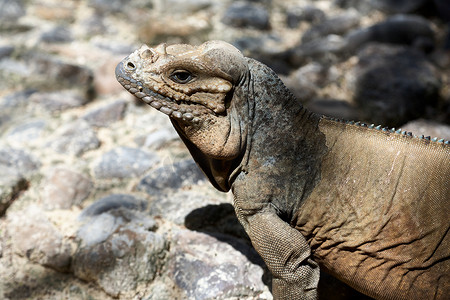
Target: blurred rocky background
(99, 199)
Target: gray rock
(52, 72)
(400, 29)
(175, 207)
(118, 252)
(34, 236)
(363, 6)
(339, 25)
(186, 7)
(428, 128)
(106, 7)
(64, 188)
(321, 50)
(16, 99)
(104, 216)
(112, 202)
(306, 82)
(59, 34)
(268, 49)
(19, 160)
(398, 6)
(11, 10)
(244, 14)
(11, 185)
(124, 162)
(74, 138)
(58, 101)
(171, 177)
(334, 108)
(6, 51)
(159, 138)
(107, 114)
(207, 268)
(394, 85)
(27, 131)
(298, 14)
(216, 219)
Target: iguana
(369, 205)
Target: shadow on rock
(220, 221)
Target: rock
(74, 138)
(122, 254)
(123, 162)
(428, 128)
(52, 72)
(206, 267)
(246, 14)
(394, 85)
(171, 177)
(26, 132)
(187, 29)
(266, 48)
(35, 237)
(6, 51)
(339, 25)
(11, 185)
(187, 7)
(306, 81)
(321, 50)
(57, 12)
(11, 10)
(400, 29)
(298, 14)
(105, 82)
(398, 6)
(108, 7)
(334, 108)
(159, 138)
(64, 188)
(59, 34)
(58, 101)
(216, 218)
(443, 8)
(16, 99)
(19, 160)
(112, 202)
(363, 6)
(106, 114)
(175, 207)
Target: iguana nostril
(131, 66)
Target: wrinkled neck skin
(219, 144)
(271, 152)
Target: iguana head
(195, 86)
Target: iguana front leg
(286, 254)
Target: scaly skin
(368, 205)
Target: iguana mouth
(178, 109)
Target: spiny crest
(392, 130)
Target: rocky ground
(99, 199)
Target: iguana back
(379, 217)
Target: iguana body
(368, 205)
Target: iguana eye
(181, 76)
